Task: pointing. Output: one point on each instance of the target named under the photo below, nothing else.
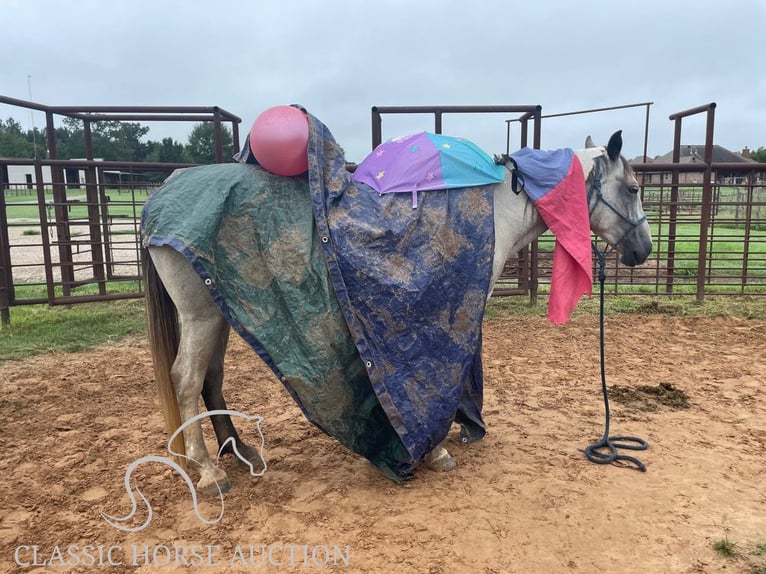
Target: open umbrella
(426, 161)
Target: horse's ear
(589, 142)
(614, 147)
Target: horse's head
(616, 213)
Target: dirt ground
(523, 500)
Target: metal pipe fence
(64, 241)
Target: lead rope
(613, 443)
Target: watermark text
(182, 555)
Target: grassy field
(727, 249)
(122, 204)
(36, 329)
(727, 262)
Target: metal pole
(235, 147)
(377, 128)
(217, 136)
(673, 209)
(707, 203)
(32, 117)
(646, 133)
(6, 279)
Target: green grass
(36, 329)
(37, 290)
(726, 547)
(726, 240)
(731, 550)
(121, 205)
(726, 259)
(30, 196)
(747, 307)
(728, 231)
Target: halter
(595, 188)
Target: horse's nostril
(631, 258)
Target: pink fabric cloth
(565, 211)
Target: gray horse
(189, 334)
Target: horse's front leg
(212, 394)
(188, 373)
(439, 459)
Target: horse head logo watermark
(122, 522)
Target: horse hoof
(214, 485)
(440, 460)
(250, 457)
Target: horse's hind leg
(202, 330)
(194, 355)
(213, 397)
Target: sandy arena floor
(522, 500)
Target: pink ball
(279, 140)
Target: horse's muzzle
(636, 245)
(636, 255)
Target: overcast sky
(340, 58)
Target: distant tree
(14, 142)
(120, 140)
(759, 155)
(112, 140)
(166, 151)
(70, 141)
(201, 147)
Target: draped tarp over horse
(367, 310)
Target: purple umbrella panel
(426, 161)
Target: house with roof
(691, 154)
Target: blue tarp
(367, 310)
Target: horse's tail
(163, 340)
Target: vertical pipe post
(6, 278)
(377, 128)
(91, 198)
(534, 261)
(63, 237)
(707, 204)
(235, 146)
(673, 210)
(217, 136)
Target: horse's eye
(633, 188)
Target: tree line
(112, 141)
(123, 141)
(759, 155)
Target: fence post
(707, 195)
(707, 203)
(217, 136)
(673, 216)
(6, 280)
